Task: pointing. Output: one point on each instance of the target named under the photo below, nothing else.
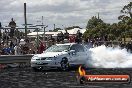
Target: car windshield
(58, 48)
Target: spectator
(60, 37)
(7, 50)
(17, 50)
(51, 40)
(12, 44)
(42, 48)
(12, 24)
(25, 49)
(78, 37)
(128, 47)
(72, 39)
(66, 35)
(5, 37)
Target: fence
(20, 60)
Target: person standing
(12, 24)
(16, 49)
(61, 37)
(72, 39)
(42, 47)
(66, 35)
(78, 37)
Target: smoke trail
(108, 57)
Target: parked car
(60, 56)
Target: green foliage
(97, 28)
(93, 22)
(127, 11)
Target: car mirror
(72, 51)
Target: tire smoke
(109, 57)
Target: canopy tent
(73, 31)
(34, 34)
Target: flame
(81, 71)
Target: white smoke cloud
(108, 57)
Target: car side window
(81, 48)
(77, 48)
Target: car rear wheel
(64, 64)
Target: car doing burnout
(60, 56)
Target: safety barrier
(8, 59)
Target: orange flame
(81, 71)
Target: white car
(60, 56)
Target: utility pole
(98, 16)
(42, 22)
(25, 18)
(54, 26)
(43, 28)
(44, 32)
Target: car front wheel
(64, 64)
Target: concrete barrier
(7, 59)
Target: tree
(127, 10)
(116, 31)
(96, 28)
(93, 22)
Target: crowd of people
(13, 46)
(105, 41)
(19, 49)
(71, 38)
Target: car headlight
(34, 58)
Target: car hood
(50, 54)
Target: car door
(77, 56)
(74, 55)
(82, 54)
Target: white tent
(34, 34)
(73, 31)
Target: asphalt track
(26, 78)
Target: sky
(63, 13)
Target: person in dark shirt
(25, 49)
(61, 36)
(52, 40)
(66, 35)
(78, 37)
(12, 24)
(12, 44)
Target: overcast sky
(61, 12)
